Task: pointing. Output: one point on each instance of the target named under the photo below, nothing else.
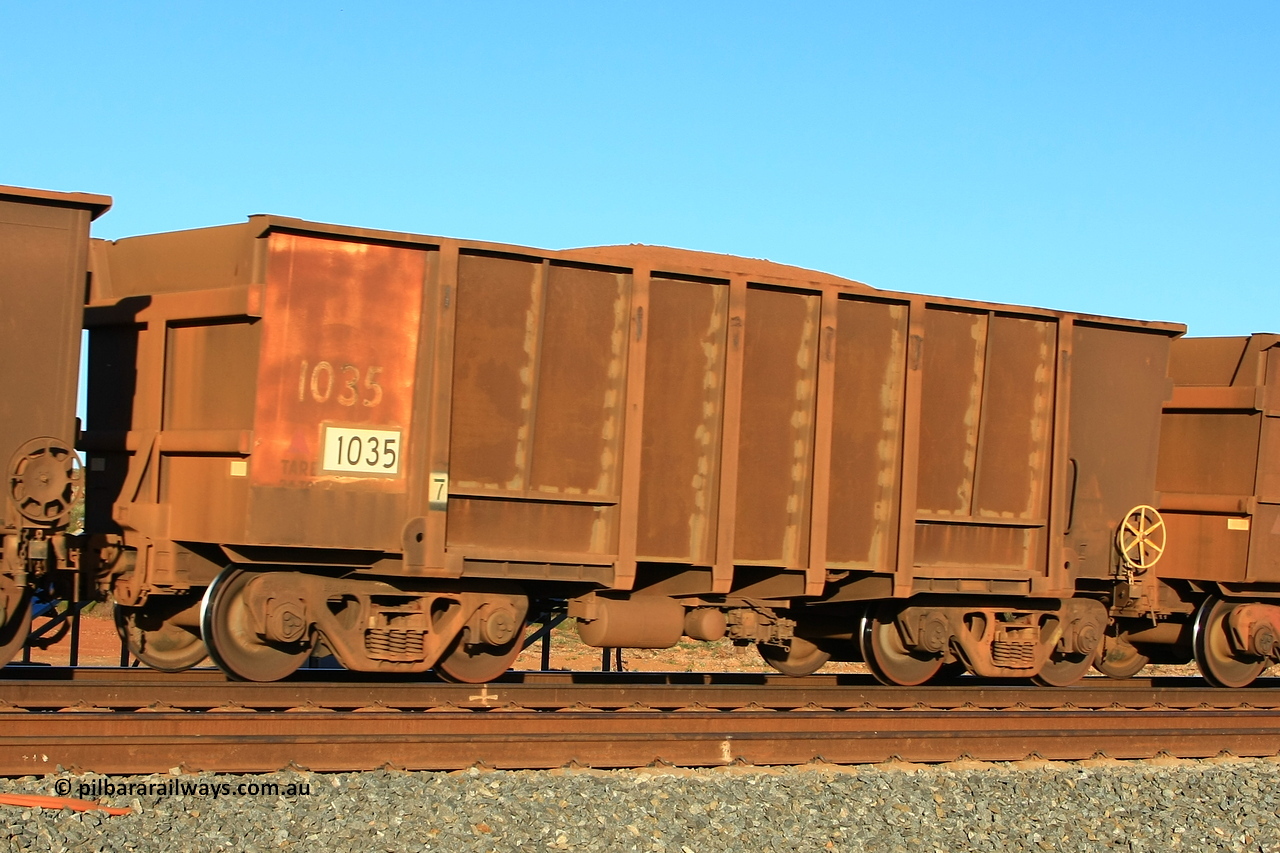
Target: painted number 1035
(345, 383)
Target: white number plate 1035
(361, 451)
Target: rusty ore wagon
(400, 449)
(398, 446)
(44, 245)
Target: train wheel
(1220, 664)
(231, 633)
(16, 628)
(476, 663)
(154, 635)
(890, 660)
(1062, 670)
(1119, 658)
(801, 658)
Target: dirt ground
(686, 656)
(100, 646)
(99, 641)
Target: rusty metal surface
(337, 375)
(539, 364)
(684, 398)
(867, 414)
(54, 689)
(44, 245)
(1219, 448)
(359, 727)
(775, 450)
(741, 433)
(1118, 381)
(986, 434)
(237, 743)
(44, 240)
(627, 407)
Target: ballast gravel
(1130, 806)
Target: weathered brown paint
(1219, 474)
(775, 453)
(339, 344)
(44, 238)
(1117, 380)
(684, 395)
(867, 412)
(630, 407)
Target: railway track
(132, 721)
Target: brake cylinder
(643, 622)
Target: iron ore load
(400, 449)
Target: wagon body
(628, 418)
(44, 239)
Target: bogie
(262, 625)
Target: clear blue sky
(1116, 158)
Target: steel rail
(123, 722)
(145, 689)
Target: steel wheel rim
(480, 664)
(168, 648)
(1119, 658)
(1063, 670)
(230, 639)
(801, 658)
(888, 658)
(1217, 662)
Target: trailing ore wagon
(397, 448)
(1210, 585)
(44, 245)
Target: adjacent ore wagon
(44, 243)
(1215, 592)
(400, 448)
